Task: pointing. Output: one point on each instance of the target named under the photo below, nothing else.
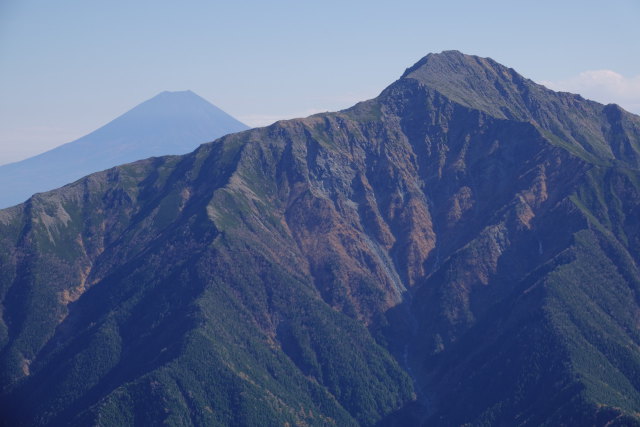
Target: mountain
(461, 250)
(168, 123)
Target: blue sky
(68, 67)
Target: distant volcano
(168, 123)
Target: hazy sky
(68, 67)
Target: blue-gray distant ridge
(168, 123)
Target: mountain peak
(168, 123)
(177, 94)
(446, 62)
(475, 82)
(175, 104)
(485, 85)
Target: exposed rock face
(462, 249)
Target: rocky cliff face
(462, 249)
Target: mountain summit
(485, 85)
(462, 250)
(168, 123)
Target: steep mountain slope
(169, 123)
(462, 249)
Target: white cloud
(604, 86)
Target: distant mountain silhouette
(168, 123)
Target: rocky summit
(461, 250)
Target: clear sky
(68, 67)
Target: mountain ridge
(474, 269)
